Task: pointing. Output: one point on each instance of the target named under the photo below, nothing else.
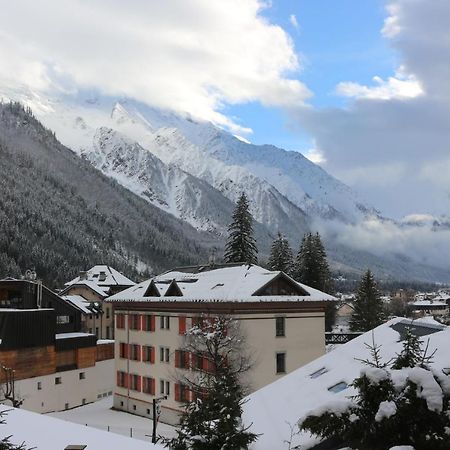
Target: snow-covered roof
(102, 275)
(429, 303)
(276, 407)
(48, 433)
(100, 290)
(78, 301)
(235, 284)
(72, 335)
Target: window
(96, 332)
(135, 352)
(122, 379)
(108, 333)
(121, 403)
(319, 372)
(149, 323)
(280, 325)
(149, 385)
(58, 380)
(82, 375)
(182, 359)
(135, 384)
(164, 322)
(148, 411)
(39, 385)
(120, 321)
(83, 401)
(66, 406)
(164, 387)
(281, 362)
(107, 312)
(338, 387)
(134, 322)
(148, 354)
(123, 350)
(164, 354)
(134, 407)
(62, 319)
(181, 392)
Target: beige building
(281, 320)
(89, 290)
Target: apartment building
(282, 322)
(88, 292)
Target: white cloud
(293, 20)
(187, 55)
(391, 141)
(397, 87)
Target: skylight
(338, 387)
(319, 372)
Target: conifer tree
(241, 244)
(281, 255)
(212, 418)
(311, 268)
(368, 310)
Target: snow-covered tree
(407, 407)
(281, 255)
(368, 310)
(241, 244)
(212, 416)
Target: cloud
(187, 55)
(293, 20)
(391, 140)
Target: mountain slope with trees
(60, 215)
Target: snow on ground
(42, 432)
(276, 408)
(100, 415)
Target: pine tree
(383, 415)
(281, 255)
(311, 268)
(368, 310)
(212, 420)
(241, 244)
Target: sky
(360, 87)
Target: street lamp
(156, 414)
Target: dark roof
(418, 329)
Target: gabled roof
(232, 284)
(79, 302)
(103, 275)
(102, 291)
(282, 403)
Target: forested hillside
(60, 215)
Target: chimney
(102, 276)
(83, 275)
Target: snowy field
(100, 415)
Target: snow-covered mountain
(196, 171)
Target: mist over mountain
(195, 171)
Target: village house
(46, 362)
(282, 322)
(88, 292)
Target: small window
(280, 325)
(164, 354)
(121, 403)
(58, 380)
(107, 313)
(39, 385)
(338, 387)
(281, 362)
(82, 375)
(83, 401)
(319, 372)
(148, 411)
(66, 406)
(161, 386)
(164, 322)
(134, 407)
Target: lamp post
(156, 413)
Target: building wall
(71, 392)
(303, 341)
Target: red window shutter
(187, 357)
(205, 364)
(181, 324)
(152, 323)
(177, 392)
(177, 358)
(152, 386)
(139, 383)
(152, 355)
(118, 378)
(125, 380)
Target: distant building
(282, 321)
(427, 307)
(45, 359)
(89, 290)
